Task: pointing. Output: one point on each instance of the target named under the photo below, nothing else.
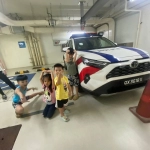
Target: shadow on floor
(127, 97)
(34, 104)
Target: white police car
(104, 67)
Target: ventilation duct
(11, 30)
(92, 11)
(5, 20)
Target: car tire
(96, 95)
(80, 89)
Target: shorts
(73, 80)
(15, 104)
(19, 103)
(60, 103)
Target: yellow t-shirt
(62, 90)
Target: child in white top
(47, 81)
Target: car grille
(127, 70)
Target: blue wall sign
(22, 44)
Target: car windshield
(92, 43)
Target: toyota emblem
(134, 64)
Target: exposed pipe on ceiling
(5, 20)
(81, 8)
(40, 48)
(29, 49)
(27, 23)
(81, 3)
(36, 52)
(57, 30)
(39, 59)
(32, 50)
(93, 10)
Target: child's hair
(71, 51)
(50, 79)
(59, 66)
(21, 78)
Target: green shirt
(71, 68)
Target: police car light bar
(83, 35)
(100, 33)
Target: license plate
(133, 81)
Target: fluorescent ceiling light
(78, 32)
(131, 0)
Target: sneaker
(67, 111)
(4, 97)
(75, 97)
(65, 119)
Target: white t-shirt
(49, 97)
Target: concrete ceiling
(63, 9)
(37, 9)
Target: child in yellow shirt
(63, 90)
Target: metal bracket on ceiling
(51, 21)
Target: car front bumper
(121, 85)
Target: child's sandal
(75, 97)
(71, 97)
(18, 116)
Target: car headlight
(94, 63)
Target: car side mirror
(65, 49)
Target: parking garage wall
(126, 28)
(13, 56)
(52, 53)
(109, 29)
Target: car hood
(115, 54)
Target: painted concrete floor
(103, 123)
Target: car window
(104, 43)
(82, 44)
(93, 43)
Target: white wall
(52, 54)
(109, 30)
(144, 37)
(13, 56)
(126, 29)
